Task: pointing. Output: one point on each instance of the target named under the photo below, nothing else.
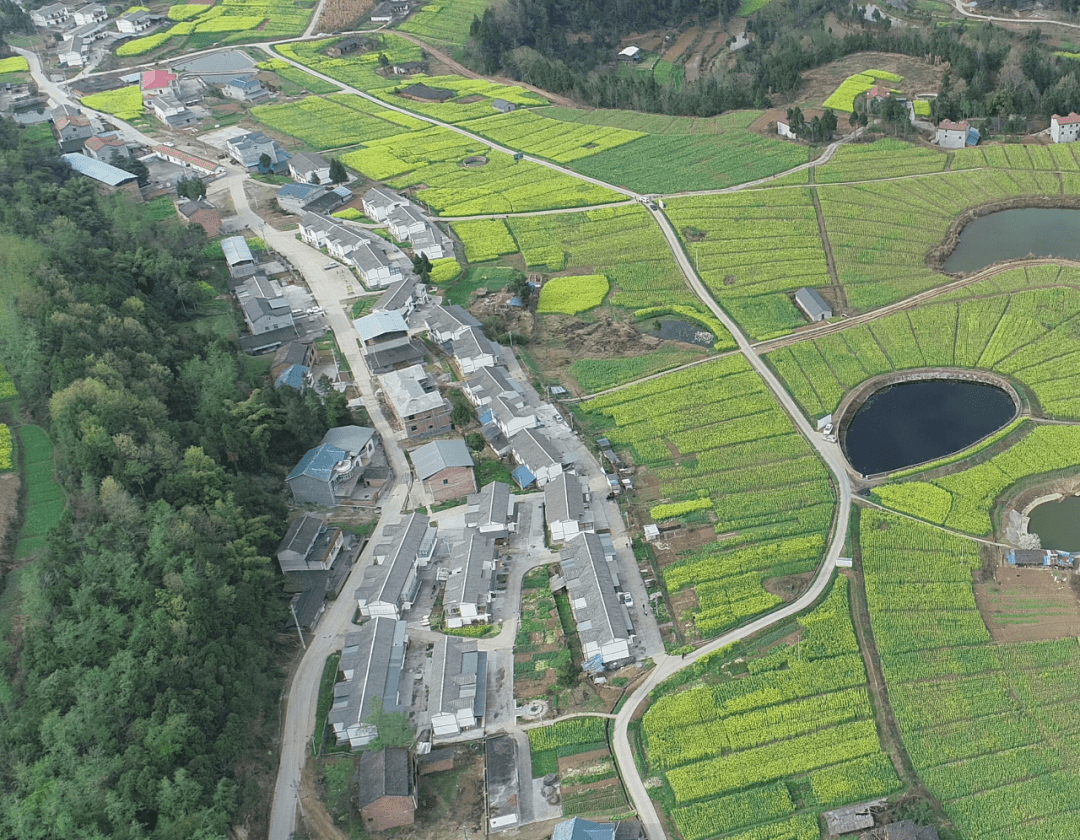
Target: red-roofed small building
(200, 213)
(878, 92)
(190, 161)
(156, 81)
(104, 146)
(952, 135)
(1065, 129)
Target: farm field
(44, 497)
(753, 249)
(717, 444)
(540, 648)
(963, 500)
(623, 242)
(669, 163)
(433, 157)
(843, 99)
(358, 71)
(990, 728)
(653, 123)
(330, 123)
(577, 749)
(760, 755)
(125, 103)
(572, 293)
(447, 21)
(598, 374)
(1020, 323)
(887, 158)
(548, 138)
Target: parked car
(628, 599)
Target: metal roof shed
(813, 304)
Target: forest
(142, 692)
(569, 48)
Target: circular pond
(1013, 234)
(1057, 523)
(916, 421)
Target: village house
(264, 305)
(389, 10)
(245, 90)
(457, 697)
(783, 128)
(188, 161)
(73, 128)
(390, 585)
(290, 354)
(472, 351)
(247, 149)
(74, 51)
(431, 242)
(54, 14)
(104, 146)
(405, 220)
(416, 402)
(309, 168)
(329, 473)
(509, 413)
(310, 545)
(378, 203)
(378, 262)
(372, 660)
(420, 92)
(952, 135)
(409, 68)
(171, 112)
(492, 511)
(238, 256)
(91, 14)
(386, 788)
(472, 566)
(385, 342)
(202, 213)
(445, 469)
(1065, 129)
(445, 323)
(541, 461)
(107, 178)
(133, 23)
(297, 377)
(488, 383)
(403, 297)
(565, 508)
(603, 622)
(348, 46)
(156, 82)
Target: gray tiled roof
(373, 654)
(471, 344)
(534, 450)
(385, 583)
(563, 499)
(474, 582)
(383, 773)
(351, 439)
(459, 677)
(379, 323)
(434, 457)
(491, 506)
(489, 382)
(601, 620)
(406, 392)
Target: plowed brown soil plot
(819, 83)
(1024, 605)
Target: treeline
(549, 43)
(145, 683)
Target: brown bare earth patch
(1024, 605)
(676, 541)
(9, 503)
(766, 122)
(572, 762)
(340, 15)
(788, 587)
(681, 44)
(819, 83)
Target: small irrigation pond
(917, 421)
(1013, 235)
(677, 329)
(1057, 523)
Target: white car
(316, 310)
(331, 265)
(828, 430)
(628, 599)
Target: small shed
(425, 93)
(630, 53)
(813, 304)
(502, 106)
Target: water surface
(1013, 234)
(912, 422)
(1058, 524)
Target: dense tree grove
(569, 48)
(144, 686)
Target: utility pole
(296, 621)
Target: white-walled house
(473, 351)
(493, 511)
(952, 135)
(565, 508)
(472, 574)
(602, 620)
(1065, 129)
(390, 585)
(783, 128)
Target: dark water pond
(1058, 524)
(676, 329)
(1013, 234)
(918, 421)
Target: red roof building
(153, 80)
(181, 158)
(949, 125)
(879, 92)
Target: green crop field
(44, 497)
(673, 163)
(623, 242)
(1021, 323)
(654, 123)
(433, 157)
(570, 294)
(329, 124)
(843, 98)
(446, 21)
(794, 736)
(125, 103)
(598, 374)
(548, 138)
(990, 728)
(485, 239)
(713, 432)
(754, 249)
(356, 70)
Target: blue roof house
(294, 376)
(579, 829)
(324, 476)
